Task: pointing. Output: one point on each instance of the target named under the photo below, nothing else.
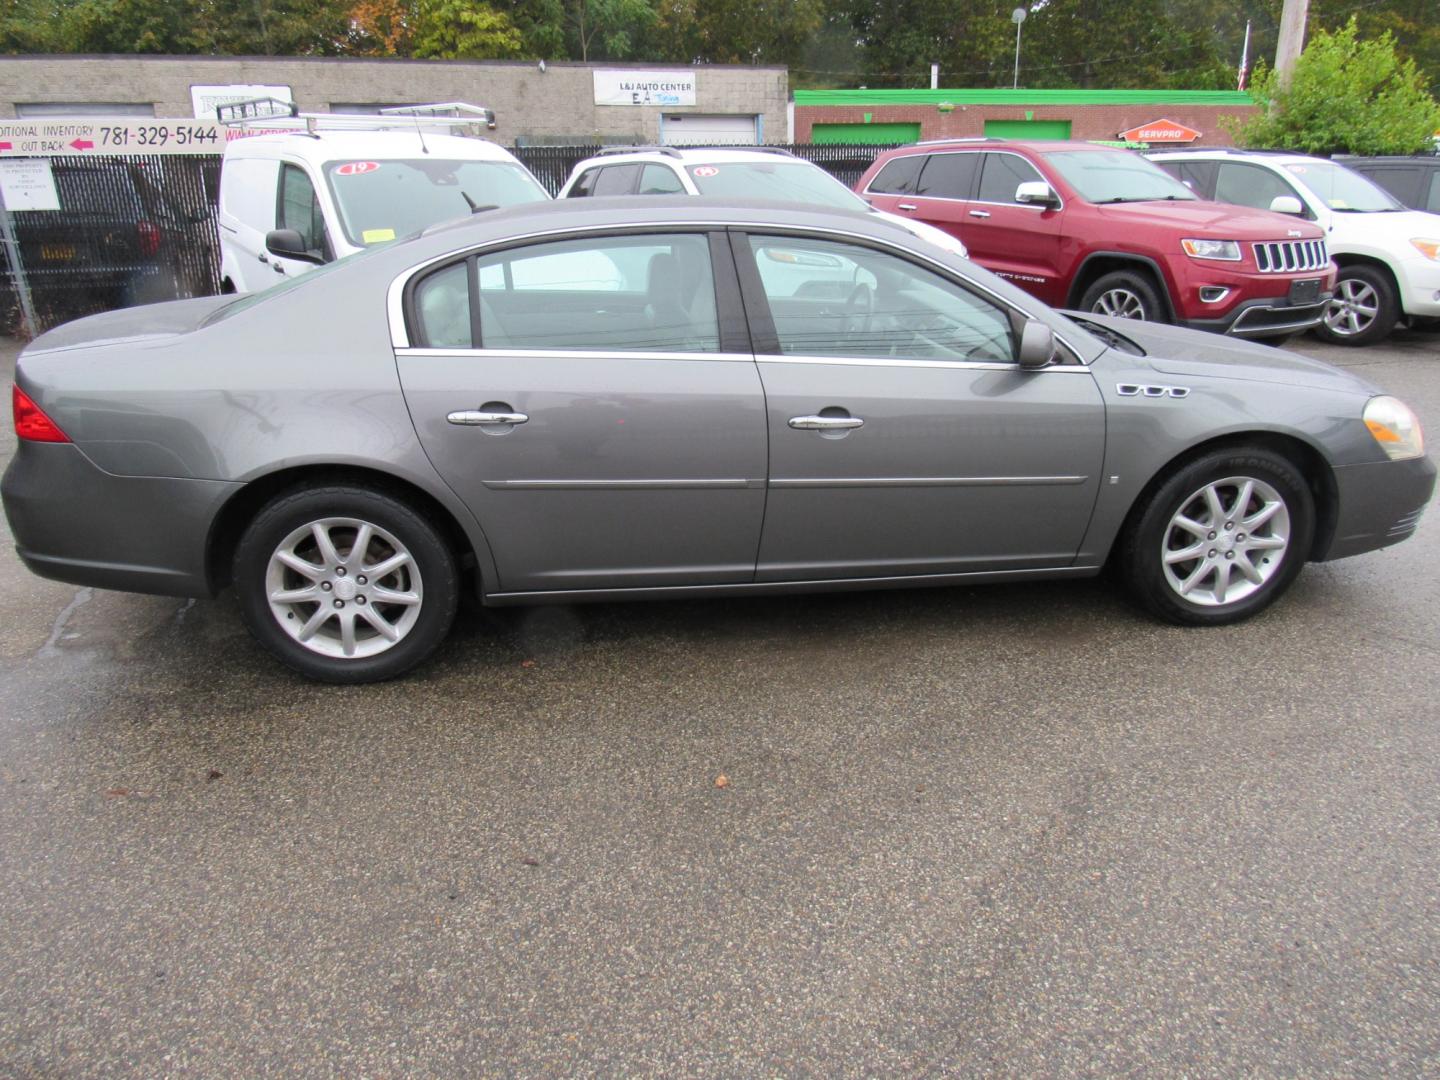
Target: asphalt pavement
(1013, 831)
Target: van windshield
(379, 201)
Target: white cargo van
(312, 188)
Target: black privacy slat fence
(138, 230)
(130, 231)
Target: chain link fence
(137, 230)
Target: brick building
(899, 116)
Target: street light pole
(1018, 18)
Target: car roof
(1220, 153)
(691, 155)
(326, 146)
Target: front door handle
(979, 213)
(825, 423)
(475, 417)
(907, 206)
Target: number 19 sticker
(355, 168)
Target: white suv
(754, 172)
(333, 185)
(1388, 256)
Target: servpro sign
(1161, 131)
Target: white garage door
(690, 130)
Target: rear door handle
(907, 206)
(825, 423)
(979, 213)
(263, 257)
(474, 417)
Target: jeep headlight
(1224, 250)
(1395, 427)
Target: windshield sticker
(706, 170)
(377, 236)
(355, 168)
(1339, 204)
(1298, 170)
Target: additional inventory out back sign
(106, 135)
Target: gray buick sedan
(614, 399)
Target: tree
(1346, 95)
(463, 30)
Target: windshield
(381, 200)
(1102, 176)
(789, 181)
(1340, 189)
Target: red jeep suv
(1105, 230)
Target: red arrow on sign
(83, 144)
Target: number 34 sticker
(706, 170)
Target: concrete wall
(528, 103)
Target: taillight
(31, 423)
(149, 236)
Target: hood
(1219, 221)
(1174, 350)
(130, 324)
(1384, 229)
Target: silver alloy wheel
(1353, 309)
(1226, 541)
(344, 587)
(1121, 303)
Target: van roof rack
(275, 114)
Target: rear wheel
(345, 584)
(1363, 310)
(1125, 294)
(1220, 538)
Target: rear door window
(606, 294)
(949, 176)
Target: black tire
(1359, 289)
(1155, 581)
(1134, 289)
(416, 600)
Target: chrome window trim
(395, 296)
(574, 354)
(894, 362)
(982, 202)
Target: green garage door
(865, 133)
(1027, 129)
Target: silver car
(613, 399)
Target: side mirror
(288, 245)
(1286, 204)
(1036, 193)
(1037, 345)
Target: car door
(1018, 241)
(580, 396)
(939, 191)
(297, 206)
(904, 438)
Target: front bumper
(1378, 504)
(74, 522)
(1420, 288)
(1265, 317)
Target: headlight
(1225, 250)
(1395, 428)
(1427, 247)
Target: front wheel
(1219, 539)
(1363, 310)
(1125, 294)
(345, 584)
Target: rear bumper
(74, 522)
(1378, 505)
